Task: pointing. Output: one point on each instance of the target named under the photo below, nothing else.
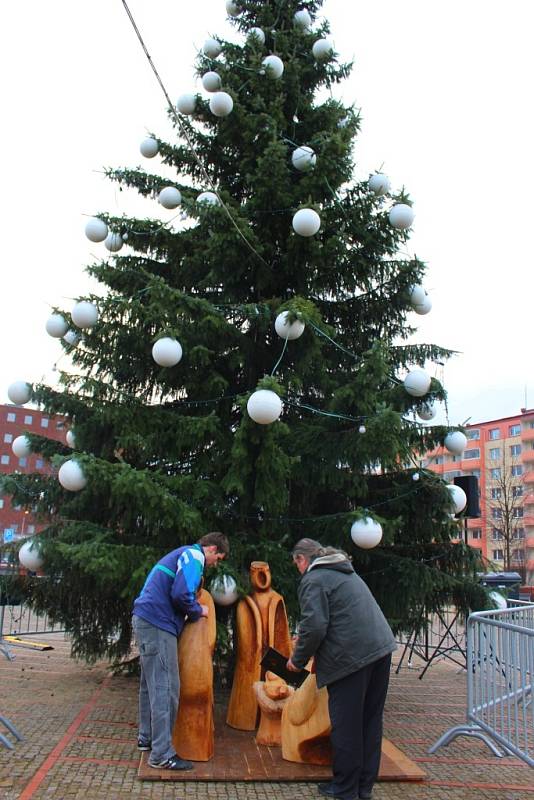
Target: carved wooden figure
(261, 622)
(193, 731)
(272, 694)
(305, 727)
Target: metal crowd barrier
(500, 658)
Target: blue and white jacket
(169, 593)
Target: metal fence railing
(500, 658)
(18, 619)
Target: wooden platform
(238, 758)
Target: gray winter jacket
(341, 623)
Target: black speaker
(469, 483)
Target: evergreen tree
(170, 453)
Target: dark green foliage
(170, 453)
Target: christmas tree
(278, 273)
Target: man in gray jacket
(343, 627)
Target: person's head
(305, 552)
(215, 546)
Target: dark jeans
(356, 706)
(159, 689)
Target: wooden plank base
(238, 758)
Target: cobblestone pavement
(79, 728)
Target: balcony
(529, 542)
(527, 435)
(527, 520)
(528, 477)
(527, 455)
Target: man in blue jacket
(167, 600)
(343, 627)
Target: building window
(11, 417)
(31, 529)
(495, 453)
(472, 433)
(438, 460)
(39, 463)
(519, 533)
(514, 430)
(60, 424)
(517, 513)
(515, 450)
(474, 472)
(518, 556)
(17, 508)
(44, 422)
(495, 473)
(516, 470)
(471, 453)
(495, 433)
(498, 555)
(23, 461)
(1, 503)
(495, 494)
(4, 460)
(476, 533)
(496, 534)
(496, 513)
(8, 438)
(517, 491)
(28, 419)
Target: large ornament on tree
(426, 412)
(366, 533)
(186, 103)
(303, 158)
(232, 8)
(71, 476)
(273, 66)
(56, 326)
(211, 81)
(417, 382)
(379, 184)
(96, 230)
(257, 35)
(208, 198)
(419, 300)
(455, 442)
(71, 439)
(113, 242)
(264, 406)
(167, 352)
(170, 197)
(302, 20)
(30, 555)
(223, 589)
(401, 216)
(458, 497)
(306, 222)
(322, 49)
(221, 104)
(212, 48)
(21, 446)
(149, 147)
(84, 314)
(286, 329)
(19, 392)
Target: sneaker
(326, 789)
(365, 794)
(174, 762)
(144, 744)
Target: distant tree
(504, 506)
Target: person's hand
(205, 610)
(291, 667)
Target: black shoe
(174, 763)
(365, 794)
(327, 789)
(144, 745)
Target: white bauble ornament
(379, 184)
(209, 198)
(212, 48)
(223, 589)
(167, 352)
(303, 158)
(113, 242)
(257, 34)
(274, 66)
(231, 8)
(21, 446)
(366, 533)
(322, 49)
(424, 307)
(458, 497)
(19, 392)
(415, 476)
(264, 406)
(71, 439)
(286, 329)
(71, 476)
(149, 147)
(362, 429)
(401, 216)
(426, 412)
(71, 338)
(186, 103)
(96, 230)
(30, 555)
(211, 81)
(499, 600)
(417, 294)
(306, 222)
(455, 442)
(302, 20)
(417, 382)
(170, 197)
(221, 104)
(84, 314)
(56, 326)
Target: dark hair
(220, 540)
(311, 549)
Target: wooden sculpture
(305, 728)
(261, 622)
(193, 731)
(272, 694)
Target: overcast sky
(446, 96)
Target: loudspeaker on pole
(469, 483)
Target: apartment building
(500, 453)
